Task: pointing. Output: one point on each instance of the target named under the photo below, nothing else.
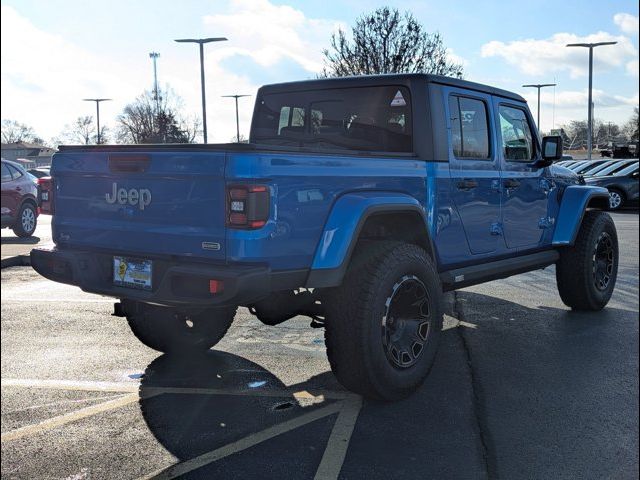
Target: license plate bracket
(133, 273)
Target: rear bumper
(174, 283)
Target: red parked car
(19, 199)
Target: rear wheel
(169, 331)
(26, 221)
(384, 323)
(586, 272)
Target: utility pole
(97, 100)
(590, 46)
(156, 96)
(539, 86)
(201, 42)
(237, 118)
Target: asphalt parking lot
(522, 388)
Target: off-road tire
(577, 269)
(354, 315)
(166, 330)
(20, 229)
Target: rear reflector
(216, 286)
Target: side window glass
(517, 140)
(15, 173)
(6, 174)
(469, 127)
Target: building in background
(28, 154)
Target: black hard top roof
(372, 80)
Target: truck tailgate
(141, 203)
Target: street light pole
(590, 46)
(201, 42)
(539, 86)
(97, 100)
(237, 117)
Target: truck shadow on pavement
(502, 388)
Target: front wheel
(384, 323)
(586, 272)
(616, 199)
(169, 331)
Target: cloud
(578, 99)
(628, 23)
(269, 33)
(45, 76)
(543, 57)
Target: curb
(17, 261)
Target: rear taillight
(45, 195)
(247, 206)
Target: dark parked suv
(19, 199)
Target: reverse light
(247, 206)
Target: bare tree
(13, 131)
(630, 129)
(147, 121)
(83, 131)
(386, 41)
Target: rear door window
(6, 173)
(469, 127)
(358, 118)
(15, 173)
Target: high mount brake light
(247, 206)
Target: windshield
(360, 118)
(583, 169)
(595, 170)
(616, 167)
(628, 169)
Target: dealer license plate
(132, 273)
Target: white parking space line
(131, 387)
(336, 450)
(247, 442)
(85, 386)
(68, 418)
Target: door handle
(466, 184)
(511, 183)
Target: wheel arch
(576, 200)
(373, 216)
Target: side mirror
(552, 148)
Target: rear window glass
(6, 173)
(362, 118)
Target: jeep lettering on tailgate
(141, 197)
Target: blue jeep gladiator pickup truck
(357, 202)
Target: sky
(54, 53)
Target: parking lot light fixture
(201, 42)
(590, 46)
(97, 100)
(237, 117)
(539, 86)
